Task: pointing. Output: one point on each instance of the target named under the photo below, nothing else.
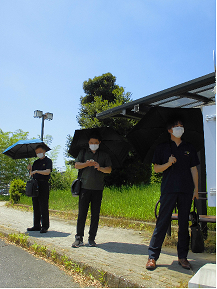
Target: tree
(53, 154)
(102, 94)
(12, 169)
(9, 168)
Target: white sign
(209, 122)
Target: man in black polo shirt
(94, 163)
(40, 171)
(177, 160)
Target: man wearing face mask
(94, 163)
(40, 171)
(177, 160)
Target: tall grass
(133, 202)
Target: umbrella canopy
(151, 129)
(111, 142)
(24, 149)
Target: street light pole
(47, 115)
(42, 127)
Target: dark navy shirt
(40, 165)
(178, 177)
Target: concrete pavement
(121, 253)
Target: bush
(133, 172)
(155, 177)
(17, 189)
(63, 181)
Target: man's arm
(43, 172)
(161, 168)
(194, 173)
(105, 170)
(88, 163)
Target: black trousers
(40, 206)
(86, 197)
(168, 203)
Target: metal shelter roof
(194, 93)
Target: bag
(197, 242)
(76, 184)
(32, 188)
(76, 187)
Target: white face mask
(94, 147)
(40, 155)
(178, 131)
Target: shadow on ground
(49, 234)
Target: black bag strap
(82, 160)
(194, 216)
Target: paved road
(121, 253)
(19, 269)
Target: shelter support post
(201, 204)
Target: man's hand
(29, 167)
(91, 163)
(32, 173)
(195, 195)
(172, 160)
(97, 166)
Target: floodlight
(49, 115)
(38, 113)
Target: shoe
(184, 263)
(33, 229)
(91, 243)
(43, 230)
(78, 242)
(151, 264)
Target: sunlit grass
(129, 202)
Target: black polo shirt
(40, 165)
(178, 177)
(91, 178)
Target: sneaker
(91, 243)
(78, 242)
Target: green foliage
(103, 85)
(135, 202)
(63, 181)
(131, 202)
(133, 172)
(102, 277)
(52, 154)
(54, 256)
(39, 250)
(155, 177)
(10, 168)
(17, 189)
(19, 239)
(102, 94)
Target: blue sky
(50, 47)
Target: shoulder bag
(197, 242)
(32, 188)
(76, 184)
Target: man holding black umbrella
(177, 160)
(94, 163)
(40, 171)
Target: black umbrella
(151, 129)
(111, 142)
(24, 149)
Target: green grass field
(134, 202)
